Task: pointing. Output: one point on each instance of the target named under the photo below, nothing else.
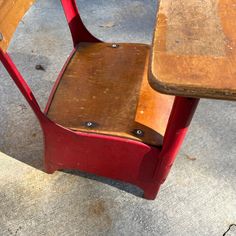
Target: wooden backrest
(11, 12)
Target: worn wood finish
(194, 49)
(11, 12)
(108, 86)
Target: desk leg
(179, 121)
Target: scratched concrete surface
(199, 196)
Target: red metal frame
(113, 157)
(78, 30)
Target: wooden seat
(194, 49)
(104, 89)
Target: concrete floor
(199, 196)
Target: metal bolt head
(1, 36)
(114, 45)
(90, 124)
(138, 132)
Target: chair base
(112, 157)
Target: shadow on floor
(129, 188)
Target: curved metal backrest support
(78, 30)
(11, 12)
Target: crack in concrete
(229, 229)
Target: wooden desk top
(194, 49)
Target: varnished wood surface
(11, 12)
(194, 49)
(108, 86)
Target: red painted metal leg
(179, 121)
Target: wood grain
(109, 87)
(11, 12)
(194, 49)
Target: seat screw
(90, 124)
(114, 45)
(1, 36)
(139, 132)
